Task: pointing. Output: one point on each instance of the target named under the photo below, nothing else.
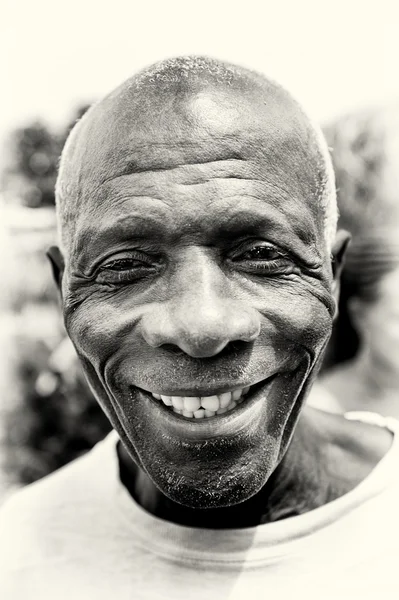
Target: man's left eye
(262, 259)
(262, 253)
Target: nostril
(194, 346)
(237, 346)
(233, 348)
(171, 348)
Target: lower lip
(211, 425)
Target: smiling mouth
(205, 407)
(202, 407)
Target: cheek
(299, 316)
(96, 327)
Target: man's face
(199, 280)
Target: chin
(219, 489)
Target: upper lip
(202, 391)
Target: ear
(57, 265)
(338, 252)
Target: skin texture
(197, 263)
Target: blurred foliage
(33, 153)
(55, 418)
(32, 176)
(48, 413)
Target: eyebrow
(300, 239)
(129, 228)
(141, 226)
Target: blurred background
(56, 58)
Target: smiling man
(198, 272)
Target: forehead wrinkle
(139, 155)
(151, 181)
(210, 192)
(142, 156)
(225, 167)
(201, 172)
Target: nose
(201, 317)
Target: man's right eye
(122, 264)
(126, 269)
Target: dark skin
(198, 265)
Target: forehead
(226, 143)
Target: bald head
(193, 111)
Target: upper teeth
(203, 406)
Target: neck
(298, 484)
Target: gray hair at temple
(175, 73)
(365, 151)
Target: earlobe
(57, 264)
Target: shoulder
(357, 445)
(35, 520)
(369, 435)
(71, 482)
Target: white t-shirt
(78, 535)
